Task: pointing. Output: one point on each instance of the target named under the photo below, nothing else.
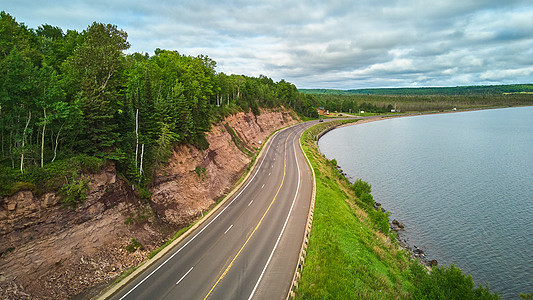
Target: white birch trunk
(57, 142)
(42, 139)
(24, 143)
(141, 165)
(136, 135)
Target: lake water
(462, 183)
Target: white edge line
(228, 229)
(185, 245)
(184, 275)
(282, 229)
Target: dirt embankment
(50, 251)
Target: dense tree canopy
(65, 94)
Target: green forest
(422, 99)
(451, 91)
(414, 102)
(71, 100)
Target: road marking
(184, 275)
(228, 229)
(263, 185)
(250, 202)
(185, 245)
(269, 173)
(282, 229)
(255, 229)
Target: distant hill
(458, 90)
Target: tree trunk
(2, 128)
(57, 142)
(23, 143)
(42, 139)
(136, 135)
(141, 165)
(11, 150)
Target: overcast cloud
(322, 44)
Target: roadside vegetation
(352, 253)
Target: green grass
(348, 258)
(351, 256)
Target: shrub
(380, 220)
(74, 192)
(367, 199)
(201, 172)
(21, 186)
(446, 283)
(133, 245)
(144, 194)
(50, 178)
(80, 164)
(361, 187)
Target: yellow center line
(258, 224)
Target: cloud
(502, 74)
(323, 44)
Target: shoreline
(447, 243)
(363, 120)
(402, 238)
(415, 252)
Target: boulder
(401, 225)
(417, 250)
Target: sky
(332, 44)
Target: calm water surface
(462, 184)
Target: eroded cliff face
(194, 179)
(50, 251)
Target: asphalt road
(249, 248)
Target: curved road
(249, 248)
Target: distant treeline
(415, 103)
(73, 94)
(424, 91)
(423, 99)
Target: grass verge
(347, 258)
